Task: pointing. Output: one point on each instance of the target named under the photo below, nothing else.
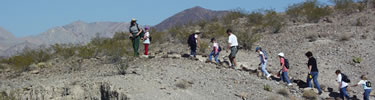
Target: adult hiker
(233, 46)
(215, 51)
(135, 34)
(313, 71)
(193, 43)
(284, 69)
(366, 85)
(342, 85)
(263, 61)
(146, 41)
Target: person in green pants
(135, 32)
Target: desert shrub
(158, 36)
(180, 34)
(111, 47)
(65, 51)
(203, 46)
(273, 21)
(267, 87)
(246, 39)
(357, 60)
(255, 18)
(87, 52)
(122, 66)
(284, 92)
(234, 14)
(348, 6)
(312, 10)
(358, 22)
(310, 95)
(5, 96)
(28, 57)
(214, 30)
(120, 36)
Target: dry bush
(348, 6)
(312, 10)
(233, 15)
(273, 21)
(284, 91)
(310, 95)
(183, 84)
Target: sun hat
(133, 20)
(281, 54)
(197, 31)
(146, 28)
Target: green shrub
(246, 40)
(233, 15)
(214, 30)
(312, 10)
(203, 47)
(348, 6)
(267, 88)
(28, 57)
(255, 19)
(158, 37)
(5, 96)
(273, 21)
(179, 33)
(357, 60)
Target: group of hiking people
(137, 34)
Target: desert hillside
(105, 70)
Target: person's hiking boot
(268, 77)
(277, 82)
(320, 93)
(290, 84)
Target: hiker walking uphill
(193, 42)
(215, 50)
(284, 69)
(263, 61)
(366, 85)
(135, 35)
(146, 41)
(233, 46)
(313, 71)
(342, 80)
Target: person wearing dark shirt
(313, 71)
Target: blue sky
(31, 17)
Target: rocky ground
(168, 76)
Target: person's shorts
(233, 51)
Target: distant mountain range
(189, 15)
(80, 32)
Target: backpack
(286, 63)
(142, 33)
(345, 78)
(191, 40)
(368, 84)
(265, 54)
(219, 48)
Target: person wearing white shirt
(146, 41)
(342, 85)
(233, 46)
(366, 85)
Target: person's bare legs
(234, 62)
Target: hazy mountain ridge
(78, 32)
